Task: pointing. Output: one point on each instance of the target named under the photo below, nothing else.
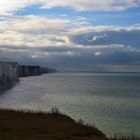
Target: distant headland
(10, 72)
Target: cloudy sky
(98, 35)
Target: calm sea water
(110, 101)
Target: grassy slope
(15, 125)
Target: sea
(109, 101)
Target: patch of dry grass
(18, 125)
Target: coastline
(58, 120)
(10, 72)
(33, 99)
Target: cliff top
(17, 125)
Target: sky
(86, 35)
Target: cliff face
(8, 74)
(11, 71)
(25, 71)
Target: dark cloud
(102, 50)
(66, 57)
(124, 37)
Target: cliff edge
(17, 125)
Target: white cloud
(95, 38)
(10, 6)
(89, 29)
(7, 7)
(36, 31)
(97, 53)
(44, 40)
(105, 5)
(33, 31)
(32, 24)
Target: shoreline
(25, 111)
(10, 72)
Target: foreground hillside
(15, 125)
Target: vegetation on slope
(17, 125)
(21, 125)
